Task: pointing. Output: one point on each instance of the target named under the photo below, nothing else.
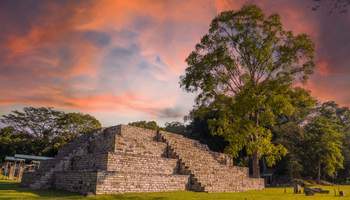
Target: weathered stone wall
(81, 141)
(137, 133)
(91, 162)
(76, 181)
(104, 142)
(28, 178)
(139, 141)
(241, 170)
(124, 163)
(116, 182)
(253, 184)
(139, 147)
(141, 164)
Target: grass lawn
(10, 190)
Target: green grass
(2, 177)
(10, 190)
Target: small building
(14, 166)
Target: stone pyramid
(124, 158)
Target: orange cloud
(50, 63)
(323, 68)
(54, 30)
(126, 102)
(164, 27)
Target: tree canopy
(246, 48)
(39, 122)
(245, 67)
(74, 124)
(146, 124)
(323, 142)
(42, 131)
(175, 127)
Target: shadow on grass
(11, 190)
(131, 197)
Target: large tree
(323, 147)
(340, 118)
(248, 62)
(11, 143)
(72, 125)
(42, 131)
(48, 123)
(39, 122)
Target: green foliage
(291, 136)
(246, 47)
(317, 141)
(289, 133)
(42, 131)
(175, 127)
(245, 122)
(303, 104)
(323, 146)
(10, 143)
(39, 122)
(339, 118)
(244, 69)
(344, 174)
(73, 124)
(146, 124)
(199, 128)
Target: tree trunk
(319, 172)
(256, 167)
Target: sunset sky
(121, 60)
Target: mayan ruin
(124, 159)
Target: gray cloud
(175, 112)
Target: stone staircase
(206, 169)
(122, 159)
(139, 164)
(42, 178)
(130, 159)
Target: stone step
(47, 168)
(140, 147)
(109, 182)
(116, 161)
(205, 167)
(218, 170)
(141, 164)
(114, 182)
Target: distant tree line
(42, 131)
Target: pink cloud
(51, 64)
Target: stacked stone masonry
(124, 158)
